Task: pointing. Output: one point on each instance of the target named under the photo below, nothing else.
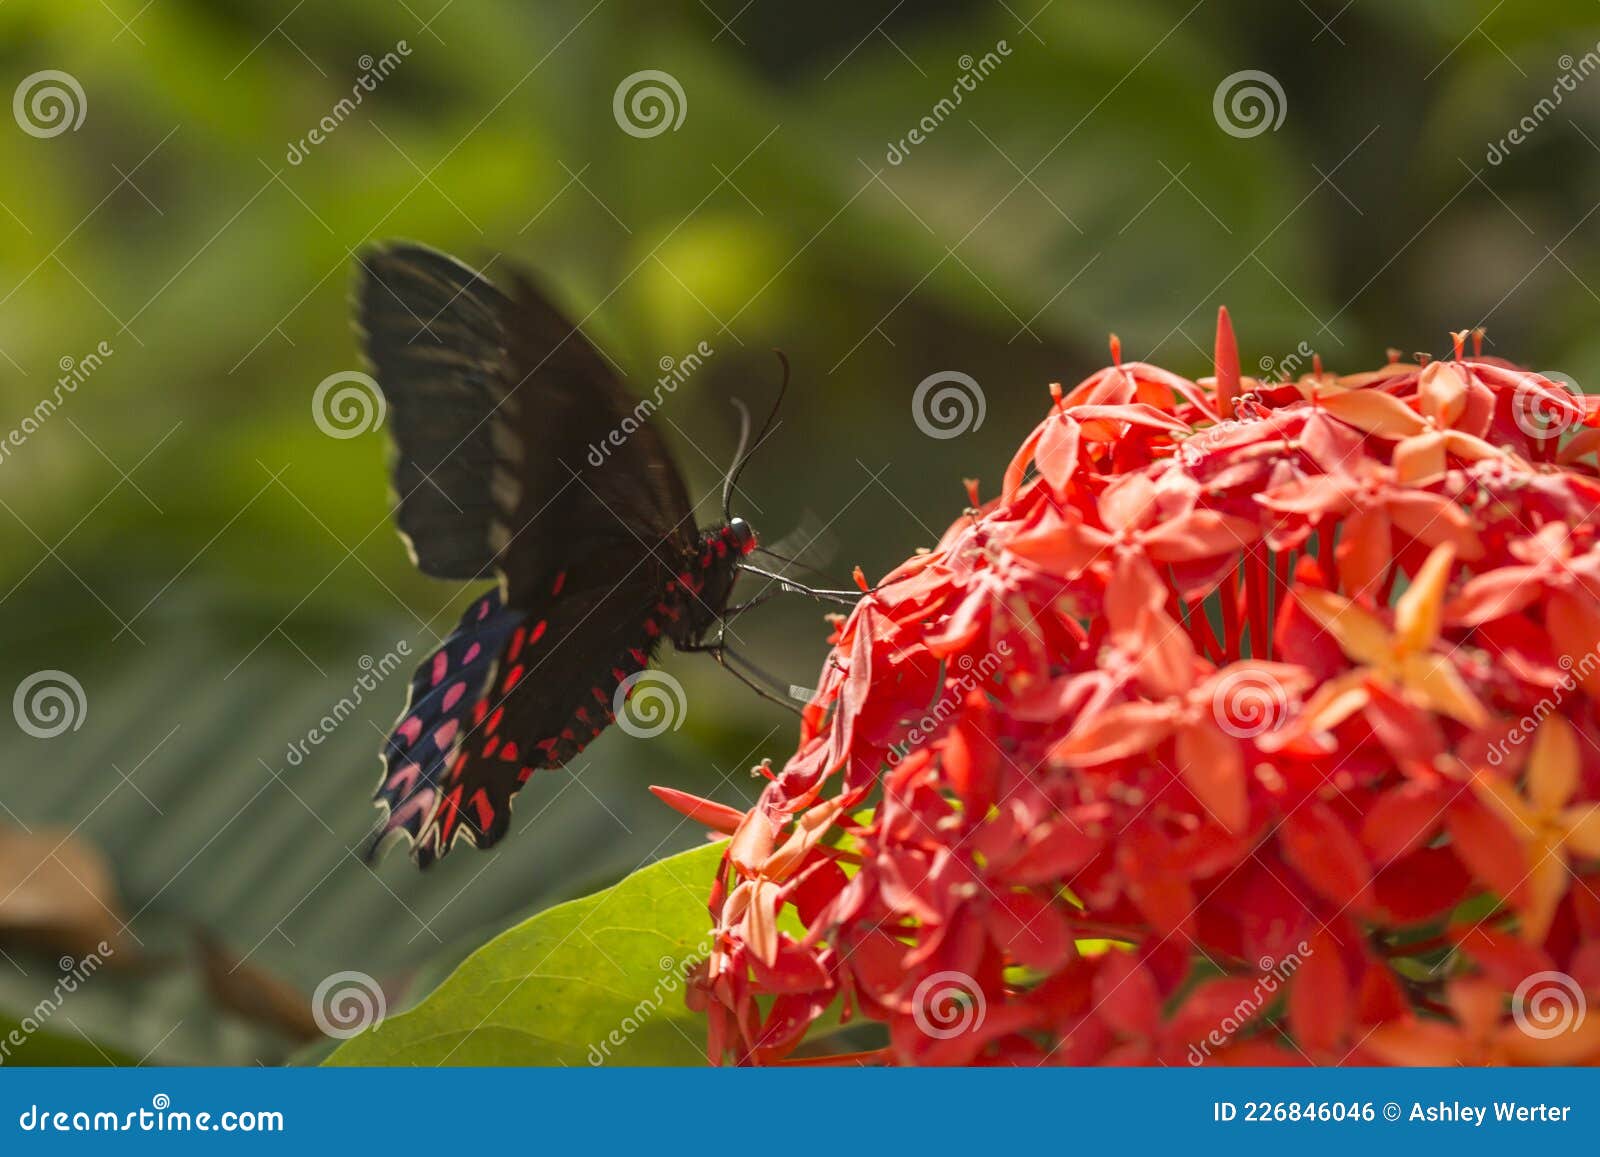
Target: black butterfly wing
(551, 474)
(433, 331)
(591, 467)
(439, 707)
(554, 688)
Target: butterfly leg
(735, 610)
(729, 660)
(848, 598)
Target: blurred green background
(181, 538)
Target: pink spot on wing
(483, 610)
(417, 804)
(445, 732)
(472, 653)
(441, 664)
(453, 696)
(402, 779)
(409, 730)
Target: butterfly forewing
(594, 469)
(434, 335)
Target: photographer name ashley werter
(1452, 1112)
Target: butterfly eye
(744, 537)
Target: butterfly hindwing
(552, 691)
(444, 690)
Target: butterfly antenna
(738, 458)
(742, 459)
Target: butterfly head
(743, 536)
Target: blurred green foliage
(181, 537)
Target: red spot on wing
(481, 805)
(449, 812)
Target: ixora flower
(1251, 722)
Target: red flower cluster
(1253, 722)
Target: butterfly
(519, 455)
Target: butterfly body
(495, 399)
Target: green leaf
(594, 981)
(48, 1048)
